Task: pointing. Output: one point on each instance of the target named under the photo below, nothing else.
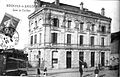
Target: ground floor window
(54, 59)
(81, 56)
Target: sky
(6, 6)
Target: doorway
(68, 59)
(92, 59)
(102, 58)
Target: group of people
(81, 63)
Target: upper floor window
(40, 39)
(35, 23)
(92, 41)
(103, 29)
(69, 23)
(102, 41)
(81, 40)
(55, 22)
(31, 41)
(35, 39)
(93, 25)
(68, 38)
(54, 38)
(81, 26)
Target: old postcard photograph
(59, 38)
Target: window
(54, 38)
(54, 59)
(88, 25)
(31, 42)
(69, 23)
(103, 29)
(55, 22)
(81, 40)
(93, 27)
(40, 39)
(35, 23)
(102, 41)
(81, 26)
(92, 41)
(68, 39)
(35, 39)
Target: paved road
(75, 73)
(105, 73)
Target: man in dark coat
(80, 68)
(96, 72)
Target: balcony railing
(71, 46)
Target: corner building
(60, 35)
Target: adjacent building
(60, 35)
(115, 48)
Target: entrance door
(68, 59)
(92, 59)
(102, 58)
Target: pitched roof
(72, 8)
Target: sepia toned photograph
(59, 38)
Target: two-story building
(60, 35)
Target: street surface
(75, 73)
(105, 73)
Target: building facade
(60, 35)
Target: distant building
(60, 35)
(115, 48)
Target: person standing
(38, 71)
(80, 68)
(96, 72)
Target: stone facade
(64, 36)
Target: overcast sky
(111, 10)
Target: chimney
(103, 11)
(57, 2)
(81, 6)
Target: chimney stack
(103, 11)
(57, 2)
(81, 6)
